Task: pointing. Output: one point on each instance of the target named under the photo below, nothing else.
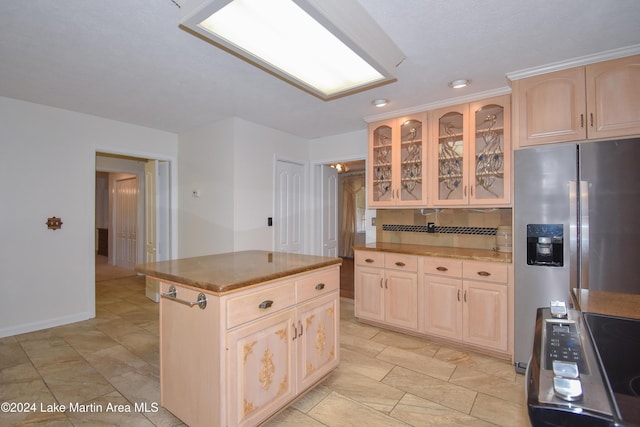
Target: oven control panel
(563, 344)
(563, 374)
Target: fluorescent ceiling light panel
(328, 47)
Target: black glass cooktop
(617, 342)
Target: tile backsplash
(454, 227)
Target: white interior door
(288, 221)
(329, 209)
(126, 222)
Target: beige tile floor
(384, 379)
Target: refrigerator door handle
(584, 234)
(574, 247)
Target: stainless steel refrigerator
(577, 225)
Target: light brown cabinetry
(249, 352)
(592, 102)
(386, 288)
(466, 301)
(397, 162)
(470, 157)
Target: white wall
(231, 162)
(206, 164)
(256, 150)
(47, 168)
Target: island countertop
(231, 271)
(438, 251)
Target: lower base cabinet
(248, 353)
(386, 288)
(458, 300)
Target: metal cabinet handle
(295, 332)
(265, 304)
(369, 260)
(591, 119)
(301, 328)
(386, 282)
(319, 286)
(581, 120)
(458, 294)
(484, 273)
(172, 295)
(381, 282)
(400, 264)
(465, 296)
(442, 269)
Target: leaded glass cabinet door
(412, 188)
(451, 183)
(490, 179)
(381, 164)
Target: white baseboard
(44, 324)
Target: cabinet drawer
(443, 266)
(401, 262)
(317, 284)
(251, 306)
(485, 271)
(370, 258)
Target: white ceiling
(127, 60)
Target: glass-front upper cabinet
(449, 155)
(472, 155)
(490, 174)
(380, 164)
(397, 158)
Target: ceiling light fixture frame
(347, 20)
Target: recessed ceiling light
(457, 84)
(380, 102)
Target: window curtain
(350, 185)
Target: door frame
(172, 197)
(315, 220)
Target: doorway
(128, 217)
(351, 217)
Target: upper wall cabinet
(592, 102)
(397, 156)
(470, 158)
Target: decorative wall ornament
(54, 223)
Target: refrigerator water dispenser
(545, 245)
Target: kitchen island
(243, 334)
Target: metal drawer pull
(265, 304)
(171, 295)
(458, 294)
(484, 273)
(319, 286)
(400, 264)
(368, 260)
(442, 269)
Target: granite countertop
(608, 303)
(231, 271)
(438, 251)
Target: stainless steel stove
(565, 386)
(584, 370)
